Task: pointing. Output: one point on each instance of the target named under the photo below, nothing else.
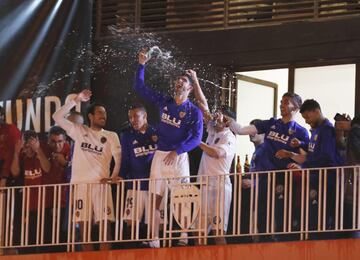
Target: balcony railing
(185, 15)
(277, 203)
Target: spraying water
(112, 64)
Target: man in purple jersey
(138, 145)
(283, 133)
(321, 152)
(180, 130)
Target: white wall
(332, 86)
(256, 102)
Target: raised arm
(199, 96)
(141, 88)
(238, 129)
(44, 161)
(60, 115)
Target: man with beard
(180, 131)
(94, 149)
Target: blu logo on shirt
(91, 148)
(31, 174)
(145, 150)
(277, 137)
(166, 118)
(311, 147)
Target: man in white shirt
(215, 164)
(94, 149)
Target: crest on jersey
(165, 108)
(154, 138)
(291, 131)
(185, 204)
(103, 139)
(182, 114)
(315, 137)
(217, 140)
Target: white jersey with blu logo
(93, 151)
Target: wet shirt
(180, 126)
(137, 150)
(278, 135)
(322, 151)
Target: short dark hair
(28, 134)
(91, 109)
(355, 120)
(227, 111)
(309, 105)
(255, 121)
(137, 106)
(295, 98)
(56, 130)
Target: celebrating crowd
(82, 154)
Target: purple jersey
(137, 152)
(256, 159)
(278, 135)
(180, 126)
(322, 151)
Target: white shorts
(136, 202)
(93, 202)
(160, 170)
(136, 211)
(218, 201)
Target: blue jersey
(278, 135)
(137, 152)
(257, 159)
(322, 151)
(180, 126)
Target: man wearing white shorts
(94, 149)
(215, 164)
(216, 188)
(138, 145)
(180, 130)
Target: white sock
(156, 223)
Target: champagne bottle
(246, 164)
(238, 165)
